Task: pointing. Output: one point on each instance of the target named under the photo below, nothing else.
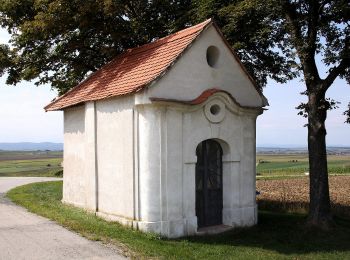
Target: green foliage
(281, 39)
(5, 61)
(61, 41)
(254, 31)
(277, 236)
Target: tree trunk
(320, 211)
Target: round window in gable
(215, 109)
(213, 55)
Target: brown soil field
(293, 194)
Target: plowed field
(293, 194)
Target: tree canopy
(61, 41)
(280, 39)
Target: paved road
(24, 235)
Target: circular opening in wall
(215, 109)
(213, 54)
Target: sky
(23, 119)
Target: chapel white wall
(74, 179)
(115, 167)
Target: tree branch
(306, 47)
(335, 72)
(340, 69)
(313, 26)
(291, 17)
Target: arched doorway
(209, 199)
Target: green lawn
(35, 163)
(277, 236)
(286, 165)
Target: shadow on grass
(286, 234)
(300, 207)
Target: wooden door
(209, 199)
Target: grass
(30, 164)
(277, 236)
(271, 165)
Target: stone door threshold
(212, 230)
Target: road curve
(24, 235)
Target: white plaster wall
(74, 179)
(173, 185)
(248, 172)
(168, 137)
(90, 156)
(114, 120)
(236, 135)
(161, 170)
(191, 75)
(150, 164)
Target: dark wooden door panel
(209, 183)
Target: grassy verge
(278, 236)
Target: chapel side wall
(114, 126)
(74, 179)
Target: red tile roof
(131, 71)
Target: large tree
(281, 39)
(61, 41)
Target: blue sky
(23, 119)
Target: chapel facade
(162, 138)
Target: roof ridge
(132, 51)
(202, 24)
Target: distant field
(36, 163)
(29, 155)
(47, 163)
(270, 165)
